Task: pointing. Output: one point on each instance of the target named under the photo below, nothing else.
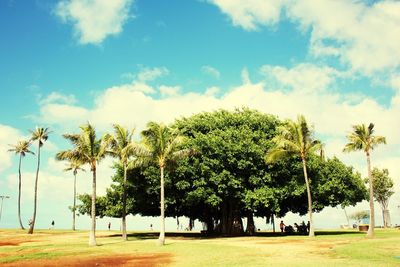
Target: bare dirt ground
(145, 260)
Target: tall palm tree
(296, 138)
(123, 148)
(40, 135)
(87, 150)
(362, 138)
(74, 166)
(21, 148)
(163, 146)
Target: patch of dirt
(145, 260)
(12, 242)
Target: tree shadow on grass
(198, 235)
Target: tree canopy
(227, 178)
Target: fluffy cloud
(169, 90)
(56, 97)
(249, 14)
(150, 74)
(8, 135)
(213, 72)
(94, 20)
(365, 37)
(332, 113)
(304, 77)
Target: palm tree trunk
(124, 235)
(371, 227)
(92, 235)
(19, 193)
(311, 231)
(347, 217)
(74, 206)
(161, 239)
(35, 199)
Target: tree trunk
(371, 231)
(224, 219)
(124, 235)
(311, 231)
(236, 228)
(19, 193)
(347, 217)
(92, 235)
(273, 222)
(210, 225)
(161, 238)
(250, 228)
(74, 206)
(35, 199)
(386, 218)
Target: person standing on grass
(109, 226)
(282, 226)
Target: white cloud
(250, 14)
(68, 114)
(304, 77)
(395, 82)
(56, 97)
(212, 91)
(213, 72)
(169, 90)
(150, 74)
(94, 20)
(365, 37)
(8, 135)
(332, 113)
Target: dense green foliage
(227, 179)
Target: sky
(63, 63)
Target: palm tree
(40, 135)
(122, 147)
(362, 138)
(21, 148)
(87, 150)
(163, 147)
(296, 138)
(74, 166)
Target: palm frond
(276, 154)
(294, 137)
(362, 138)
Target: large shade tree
(90, 150)
(227, 179)
(39, 135)
(74, 166)
(123, 148)
(21, 148)
(362, 138)
(222, 182)
(162, 146)
(296, 138)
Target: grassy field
(329, 248)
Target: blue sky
(63, 63)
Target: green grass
(329, 248)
